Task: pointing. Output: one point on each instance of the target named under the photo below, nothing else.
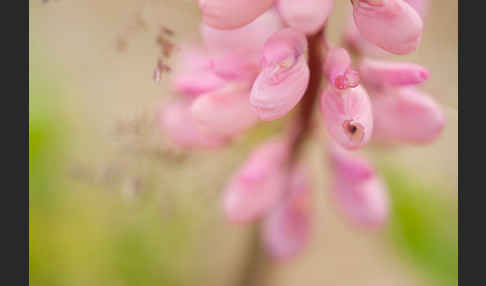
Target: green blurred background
(110, 205)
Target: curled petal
(347, 116)
(307, 16)
(286, 229)
(354, 40)
(337, 67)
(238, 66)
(363, 198)
(392, 25)
(232, 14)
(382, 73)
(406, 116)
(258, 185)
(193, 75)
(284, 76)
(177, 123)
(225, 112)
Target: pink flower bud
(380, 74)
(406, 116)
(337, 67)
(307, 16)
(359, 193)
(354, 40)
(193, 75)
(392, 25)
(232, 14)
(250, 38)
(177, 123)
(257, 186)
(286, 230)
(225, 112)
(420, 6)
(284, 76)
(347, 116)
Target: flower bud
(392, 25)
(380, 74)
(337, 67)
(420, 6)
(306, 16)
(286, 229)
(257, 186)
(347, 116)
(407, 115)
(355, 40)
(225, 112)
(359, 193)
(284, 76)
(177, 123)
(232, 14)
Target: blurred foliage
(424, 225)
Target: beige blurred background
(77, 42)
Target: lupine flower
(379, 74)
(420, 6)
(406, 115)
(392, 25)
(177, 122)
(337, 68)
(232, 14)
(307, 16)
(284, 76)
(347, 116)
(353, 38)
(358, 191)
(258, 185)
(226, 112)
(287, 228)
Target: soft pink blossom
(337, 67)
(307, 16)
(258, 185)
(347, 116)
(355, 40)
(406, 115)
(385, 73)
(284, 76)
(232, 14)
(420, 6)
(358, 191)
(226, 112)
(393, 25)
(287, 228)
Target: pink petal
(177, 123)
(307, 16)
(406, 116)
(392, 25)
(287, 228)
(420, 6)
(363, 199)
(232, 14)
(225, 112)
(353, 39)
(347, 116)
(257, 186)
(337, 67)
(284, 77)
(384, 73)
(193, 74)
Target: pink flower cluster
(253, 65)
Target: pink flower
(380, 74)
(258, 185)
(392, 25)
(226, 112)
(193, 75)
(307, 16)
(358, 192)
(284, 76)
(337, 67)
(179, 126)
(286, 229)
(406, 115)
(355, 40)
(347, 116)
(420, 6)
(232, 14)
